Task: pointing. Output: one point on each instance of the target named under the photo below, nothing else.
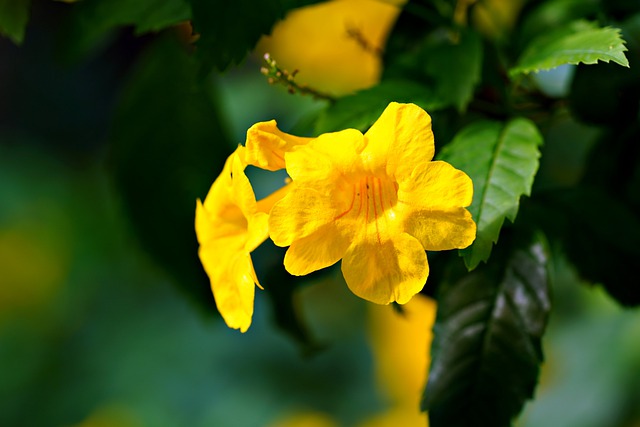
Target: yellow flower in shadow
(230, 223)
(377, 201)
(229, 226)
(335, 45)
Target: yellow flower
(230, 224)
(377, 201)
(266, 145)
(335, 44)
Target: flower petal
(299, 214)
(266, 145)
(326, 160)
(234, 290)
(441, 230)
(321, 249)
(435, 185)
(265, 204)
(382, 272)
(399, 139)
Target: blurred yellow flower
(34, 264)
(401, 347)
(111, 415)
(496, 18)
(377, 202)
(230, 224)
(335, 45)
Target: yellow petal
(234, 290)
(257, 231)
(229, 226)
(299, 214)
(265, 204)
(431, 202)
(400, 139)
(441, 230)
(390, 270)
(211, 226)
(241, 191)
(321, 249)
(266, 145)
(435, 185)
(327, 159)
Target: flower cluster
(377, 201)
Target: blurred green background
(105, 314)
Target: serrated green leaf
(229, 29)
(456, 69)
(552, 14)
(579, 42)
(487, 348)
(14, 15)
(167, 147)
(502, 160)
(360, 110)
(91, 20)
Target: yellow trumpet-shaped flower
(230, 224)
(266, 145)
(377, 201)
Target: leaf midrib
(494, 162)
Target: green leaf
(599, 234)
(229, 29)
(360, 110)
(168, 146)
(579, 42)
(281, 288)
(502, 160)
(553, 14)
(91, 20)
(14, 15)
(456, 69)
(609, 94)
(487, 348)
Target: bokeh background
(106, 318)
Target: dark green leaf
(502, 160)
(579, 42)
(360, 110)
(455, 69)
(487, 348)
(552, 14)
(609, 94)
(600, 235)
(14, 15)
(91, 20)
(280, 288)
(168, 147)
(229, 29)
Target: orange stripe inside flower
(375, 201)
